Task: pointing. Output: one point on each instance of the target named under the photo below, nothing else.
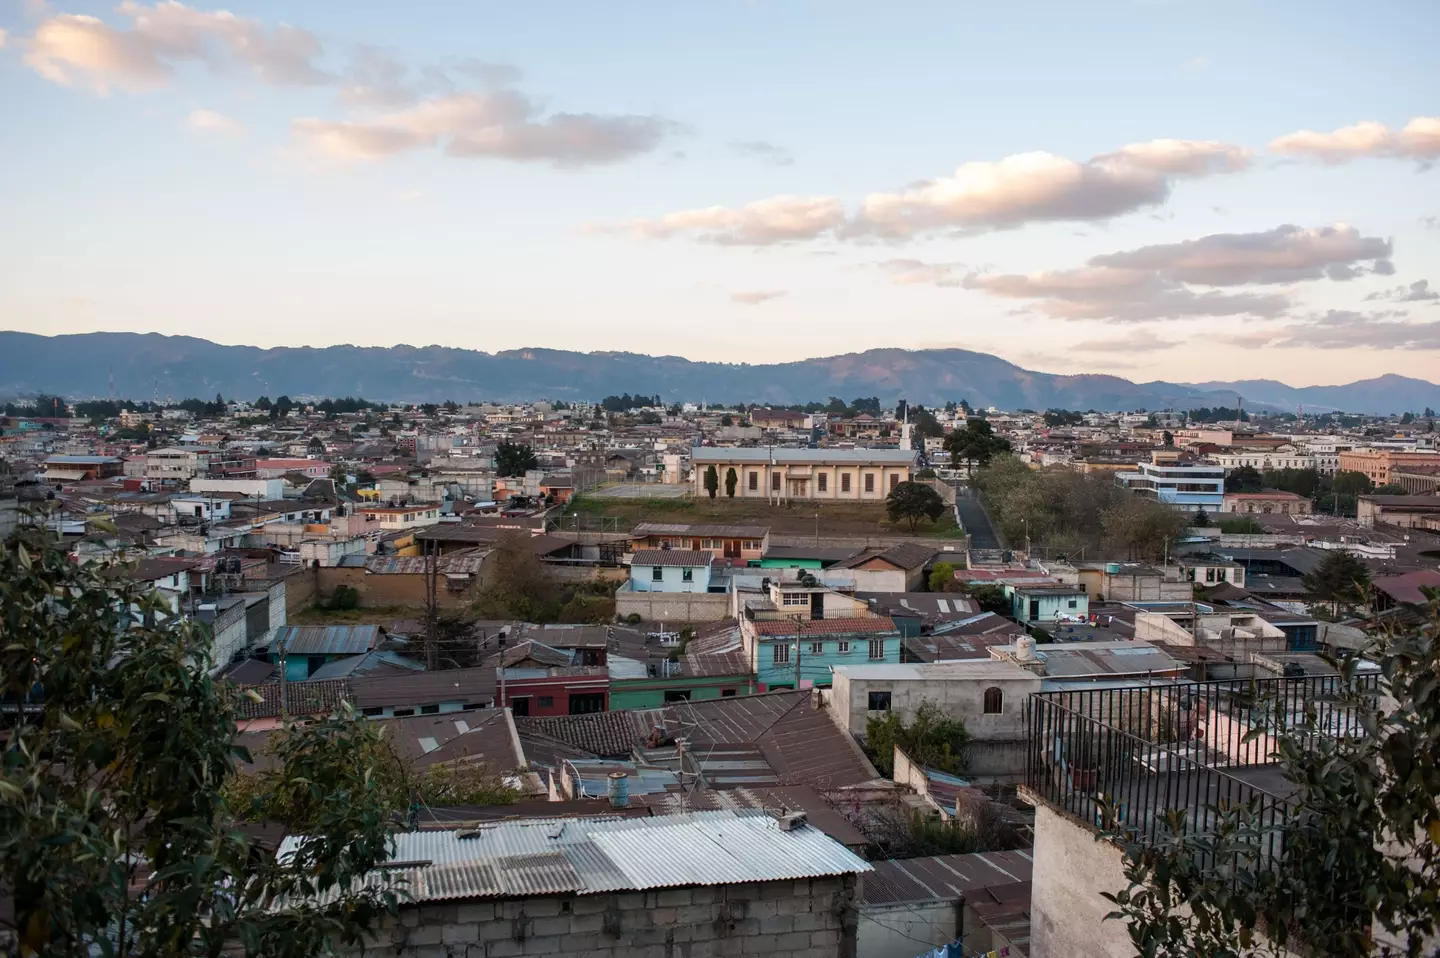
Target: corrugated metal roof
(586, 856)
(943, 877)
(672, 557)
(324, 639)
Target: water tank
(1025, 648)
(1112, 568)
(619, 789)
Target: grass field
(799, 518)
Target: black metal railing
(1122, 759)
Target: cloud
(502, 124)
(914, 272)
(1285, 254)
(1141, 341)
(1039, 187)
(1417, 292)
(208, 121)
(780, 219)
(1158, 282)
(1122, 295)
(1420, 138)
(1196, 63)
(1349, 329)
(756, 297)
(761, 150)
(4, 36)
(76, 50)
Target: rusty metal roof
(515, 859)
(943, 877)
(324, 639)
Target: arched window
(994, 701)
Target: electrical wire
(928, 944)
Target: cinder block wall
(808, 918)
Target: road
(977, 523)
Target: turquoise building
(790, 652)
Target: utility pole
(284, 705)
(431, 575)
(502, 702)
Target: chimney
(619, 790)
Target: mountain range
(143, 364)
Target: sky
(1189, 190)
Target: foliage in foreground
(1358, 867)
(116, 837)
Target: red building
(568, 690)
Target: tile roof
(466, 562)
(477, 735)
(850, 626)
(301, 698)
(672, 557)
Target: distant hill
(80, 366)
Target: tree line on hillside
(1063, 511)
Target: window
(1220, 575)
(817, 648)
(994, 701)
(843, 647)
(775, 481)
(1209, 575)
(687, 575)
(429, 709)
(727, 693)
(587, 703)
(877, 648)
(545, 701)
(822, 482)
(371, 713)
(754, 481)
(878, 702)
(401, 713)
(794, 598)
(869, 482)
(677, 695)
(894, 480)
(845, 482)
(1072, 603)
(780, 653)
(656, 573)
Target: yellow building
(824, 474)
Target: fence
(1192, 747)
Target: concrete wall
(897, 931)
(673, 607)
(1066, 908)
(229, 634)
(808, 918)
(404, 589)
(957, 695)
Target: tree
(712, 480)
(514, 459)
(1244, 479)
(338, 474)
(727, 420)
(976, 444)
(931, 739)
(731, 481)
(1390, 489)
(1201, 519)
(942, 578)
(990, 598)
(1357, 853)
(519, 586)
(1340, 579)
(116, 833)
(1141, 527)
(1167, 438)
(913, 501)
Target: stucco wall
(1066, 908)
(959, 696)
(673, 607)
(809, 918)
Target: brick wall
(808, 918)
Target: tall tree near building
(116, 834)
(1244, 479)
(912, 501)
(976, 444)
(1341, 579)
(514, 459)
(712, 480)
(731, 481)
(1353, 862)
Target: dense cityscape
(912, 641)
